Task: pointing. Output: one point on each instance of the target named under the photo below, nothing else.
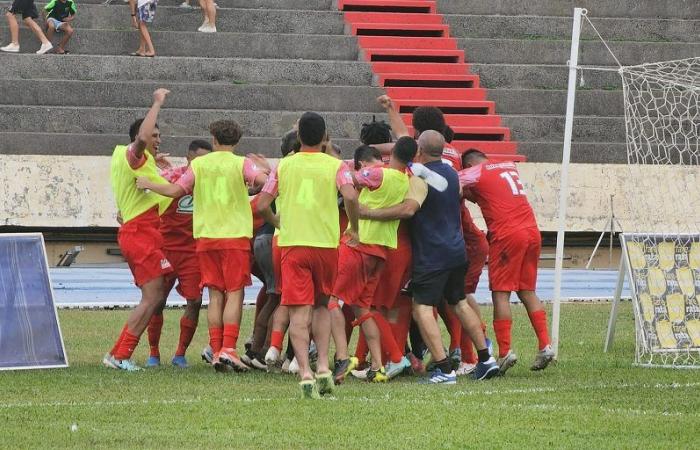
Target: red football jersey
(497, 189)
(452, 156)
(176, 221)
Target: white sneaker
(359, 374)
(186, 5)
(272, 360)
(294, 366)
(10, 48)
(208, 29)
(543, 358)
(507, 362)
(216, 5)
(465, 369)
(44, 48)
(285, 365)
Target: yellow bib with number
(132, 202)
(308, 200)
(221, 206)
(392, 192)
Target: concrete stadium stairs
(273, 59)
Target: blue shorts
(57, 24)
(147, 12)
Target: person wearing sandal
(142, 13)
(59, 15)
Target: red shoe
(416, 364)
(229, 356)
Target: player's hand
(276, 221)
(353, 238)
(143, 183)
(386, 102)
(159, 95)
(260, 161)
(162, 161)
(134, 23)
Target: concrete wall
(44, 191)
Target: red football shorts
(187, 273)
(358, 276)
(477, 253)
(308, 274)
(397, 272)
(513, 261)
(277, 264)
(225, 270)
(142, 247)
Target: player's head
(366, 156)
(428, 118)
(197, 148)
(430, 146)
(405, 149)
(290, 143)
(449, 134)
(312, 129)
(152, 141)
(375, 132)
(473, 157)
(225, 133)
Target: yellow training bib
(392, 192)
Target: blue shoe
(486, 370)
(437, 377)
(153, 361)
(180, 361)
(489, 345)
(207, 355)
(395, 369)
(126, 365)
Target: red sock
(454, 327)
(276, 338)
(216, 339)
(502, 329)
(231, 331)
(155, 328)
(119, 340)
(362, 349)
(127, 346)
(539, 323)
(187, 329)
(468, 355)
(387, 336)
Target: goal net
(662, 121)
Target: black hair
(226, 132)
(375, 132)
(135, 128)
(290, 143)
(405, 149)
(470, 154)
(199, 143)
(365, 153)
(428, 118)
(449, 134)
(312, 129)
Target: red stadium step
(414, 6)
(490, 134)
(435, 94)
(413, 55)
(420, 68)
(448, 106)
(413, 43)
(406, 19)
(427, 81)
(465, 120)
(399, 29)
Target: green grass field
(589, 399)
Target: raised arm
(166, 190)
(149, 122)
(397, 126)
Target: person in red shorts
(139, 237)
(179, 247)
(223, 226)
(306, 185)
(477, 247)
(514, 252)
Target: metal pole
(564, 187)
(610, 336)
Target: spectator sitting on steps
(58, 15)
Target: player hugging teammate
(340, 242)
